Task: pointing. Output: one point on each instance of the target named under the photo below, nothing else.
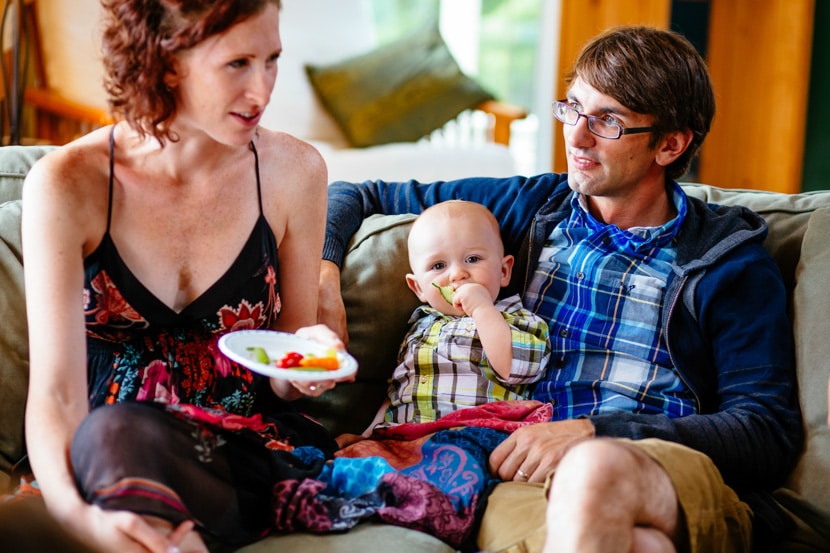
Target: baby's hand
(470, 296)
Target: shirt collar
(638, 237)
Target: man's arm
(750, 423)
(513, 201)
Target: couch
(378, 304)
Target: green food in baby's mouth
(447, 292)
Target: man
(672, 375)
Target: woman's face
(224, 83)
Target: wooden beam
(759, 58)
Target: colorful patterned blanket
(431, 477)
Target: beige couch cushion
(378, 304)
(14, 347)
(811, 479)
(15, 162)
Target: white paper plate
(276, 344)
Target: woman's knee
(117, 424)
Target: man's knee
(610, 478)
(598, 466)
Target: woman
(146, 241)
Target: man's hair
(140, 40)
(653, 72)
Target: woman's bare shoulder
(290, 153)
(73, 166)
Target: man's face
(602, 167)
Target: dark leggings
(141, 458)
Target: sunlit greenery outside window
(507, 36)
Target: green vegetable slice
(259, 354)
(447, 292)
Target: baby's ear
(412, 282)
(506, 269)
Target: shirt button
(580, 276)
(423, 379)
(564, 333)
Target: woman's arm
(54, 225)
(294, 201)
(61, 215)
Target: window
(496, 41)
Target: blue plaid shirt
(601, 289)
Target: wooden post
(759, 59)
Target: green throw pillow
(399, 92)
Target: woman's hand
(293, 389)
(128, 532)
(322, 334)
(315, 388)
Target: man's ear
(506, 269)
(672, 146)
(412, 282)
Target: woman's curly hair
(140, 40)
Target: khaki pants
(716, 520)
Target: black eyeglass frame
(592, 118)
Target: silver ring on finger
(522, 474)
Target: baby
(465, 346)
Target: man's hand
(531, 452)
(330, 309)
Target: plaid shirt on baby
(442, 366)
(601, 289)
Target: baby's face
(452, 251)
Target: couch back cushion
(14, 346)
(811, 478)
(15, 162)
(378, 305)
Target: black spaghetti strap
(256, 167)
(112, 171)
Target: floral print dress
(176, 429)
(156, 354)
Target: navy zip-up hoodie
(725, 316)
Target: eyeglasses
(604, 128)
